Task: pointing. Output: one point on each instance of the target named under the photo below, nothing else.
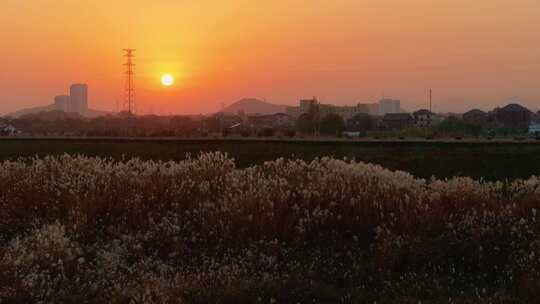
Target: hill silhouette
(35, 110)
(254, 106)
(53, 115)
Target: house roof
(514, 107)
(360, 116)
(423, 112)
(226, 114)
(397, 116)
(475, 112)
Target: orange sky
(472, 53)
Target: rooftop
(397, 116)
(360, 116)
(514, 107)
(423, 112)
(476, 112)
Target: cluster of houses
(7, 129)
(511, 116)
(253, 124)
(386, 115)
(358, 119)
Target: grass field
(487, 160)
(211, 229)
(201, 231)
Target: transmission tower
(129, 90)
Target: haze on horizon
(472, 53)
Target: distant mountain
(90, 113)
(33, 110)
(52, 115)
(254, 106)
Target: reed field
(77, 229)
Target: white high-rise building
(61, 103)
(78, 95)
(387, 106)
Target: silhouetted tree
(305, 124)
(332, 124)
(457, 127)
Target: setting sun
(167, 80)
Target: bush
(332, 125)
(453, 127)
(306, 124)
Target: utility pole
(430, 115)
(430, 99)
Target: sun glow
(167, 80)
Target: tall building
(78, 94)
(389, 106)
(61, 103)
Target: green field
(487, 160)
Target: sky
(473, 54)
